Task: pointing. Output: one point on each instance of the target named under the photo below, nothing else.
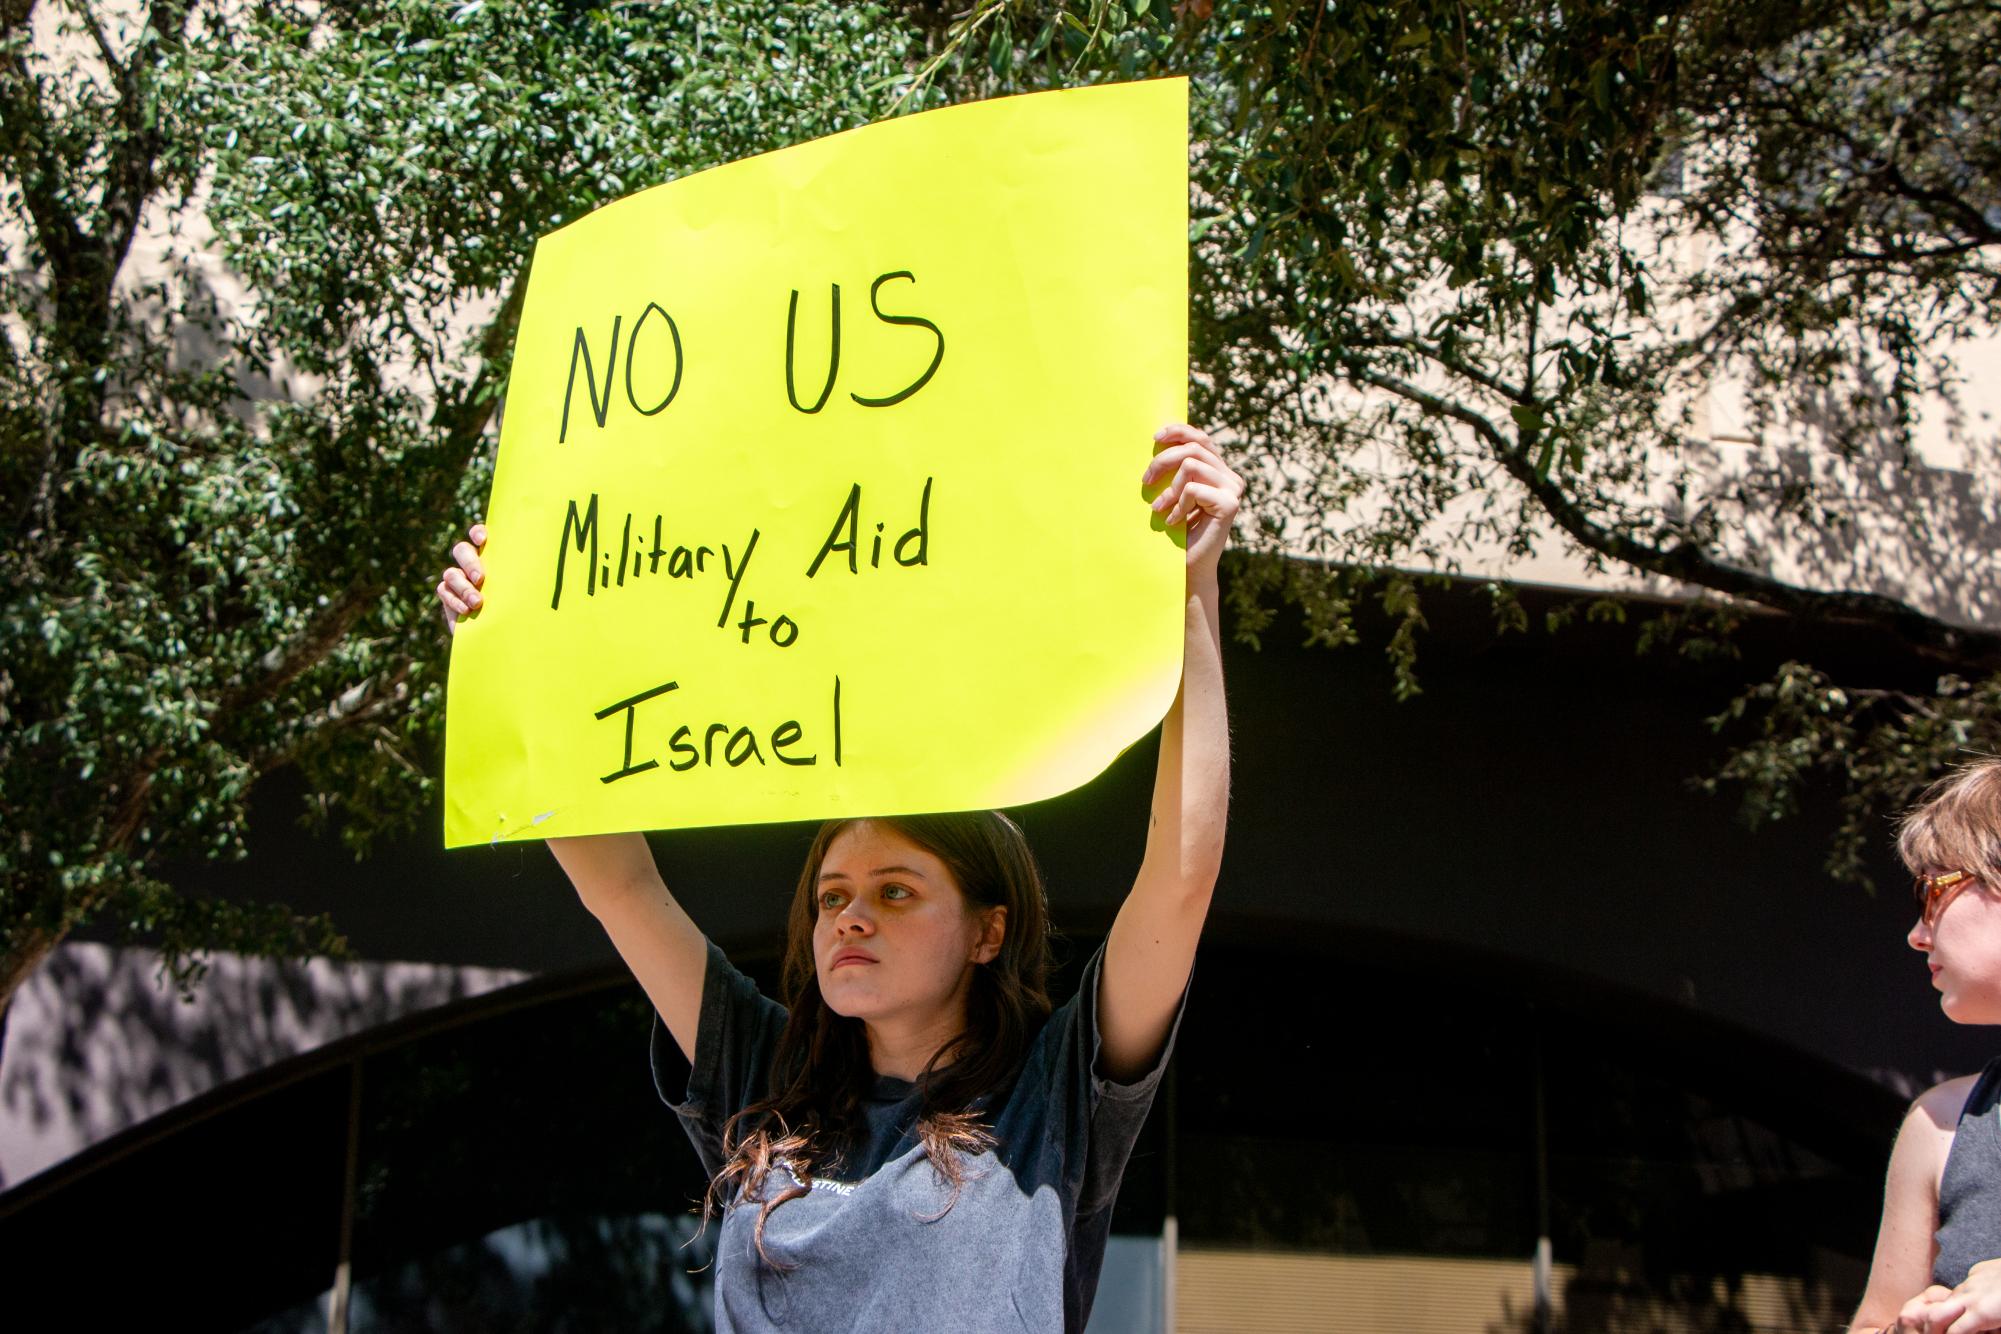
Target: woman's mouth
(851, 956)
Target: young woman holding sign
(1941, 1232)
(916, 1140)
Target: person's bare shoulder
(1904, 1246)
(1930, 1125)
(1941, 1104)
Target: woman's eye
(830, 901)
(895, 892)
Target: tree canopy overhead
(1463, 274)
(1467, 277)
(229, 470)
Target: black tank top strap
(1986, 1090)
(1969, 1189)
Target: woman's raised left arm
(1152, 944)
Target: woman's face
(894, 939)
(1963, 945)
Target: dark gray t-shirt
(1969, 1191)
(874, 1247)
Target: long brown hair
(820, 1073)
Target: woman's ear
(993, 931)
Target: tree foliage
(263, 266)
(1470, 274)
(1465, 276)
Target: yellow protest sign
(818, 485)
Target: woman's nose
(1920, 935)
(853, 920)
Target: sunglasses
(1931, 892)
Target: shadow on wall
(96, 1043)
(1889, 520)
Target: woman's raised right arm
(614, 874)
(619, 882)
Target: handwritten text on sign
(818, 484)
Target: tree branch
(131, 177)
(375, 706)
(110, 57)
(27, 149)
(1689, 563)
(464, 419)
(284, 665)
(1485, 379)
(1868, 162)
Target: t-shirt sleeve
(1109, 1113)
(735, 1035)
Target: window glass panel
(1347, 1109)
(523, 1156)
(583, 1274)
(234, 1215)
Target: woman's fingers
(1204, 500)
(1217, 490)
(1944, 1315)
(1179, 433)
(451, 605)
(461, 587)
(1169, 454)
(458, 591)
(467, 556)
(1199, 490)
(1171, 492)
(1928, 1312)
(1177, 459)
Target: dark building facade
(1499, 1025)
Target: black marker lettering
(632, 346)
(922, 532)
(785, 734)
(586, 530)
(709, 743)
(837, 720)
(680, 745)
(875, 553)
(750, 621)
(624, 545)
(914, 320)
(833, 357)
(653, 565)
(702, 555)
(783, 631)
(682, 565)
(736, 578)
(583, 349)
(849, 516)
(739, 755)
(630, 705)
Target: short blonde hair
(1956, 824)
